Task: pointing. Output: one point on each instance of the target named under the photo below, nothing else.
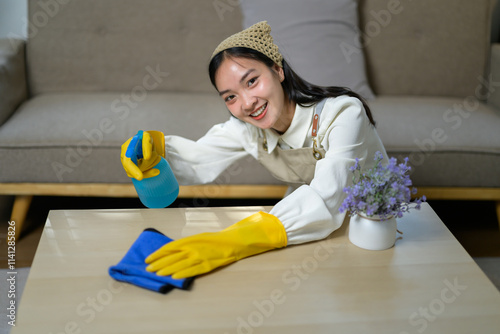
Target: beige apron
(295, 166)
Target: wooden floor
(474, 224)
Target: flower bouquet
(375, 198)
(382, 190)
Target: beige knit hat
(256, 37)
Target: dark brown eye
(252, 81)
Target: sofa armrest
(13, 86)
(494, 77)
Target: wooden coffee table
(427, 283)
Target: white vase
(372, 233)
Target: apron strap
(317, 112)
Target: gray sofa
(93, 72)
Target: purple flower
(382, 190)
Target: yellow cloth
(153, 148)
(201, 253)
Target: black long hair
(296, 89)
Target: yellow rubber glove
(153, 148)
(201, 253)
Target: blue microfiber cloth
(132, 268)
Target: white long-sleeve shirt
(311, 212)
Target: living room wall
(13, 18)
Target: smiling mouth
(259, 112)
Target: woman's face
(253, 93)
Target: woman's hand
(201, 253)
(152, 144)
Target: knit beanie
(257, 37)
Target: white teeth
(260, 111)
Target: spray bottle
(158, 191)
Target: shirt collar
(296, 134)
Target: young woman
(306, 135)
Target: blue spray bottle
(154, 192)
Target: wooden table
(427, 283)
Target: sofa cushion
(76, 137)
(493, 93)
(312, 36)
(450, 141)
(115, 42)
(425, 47)
(12, 77)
